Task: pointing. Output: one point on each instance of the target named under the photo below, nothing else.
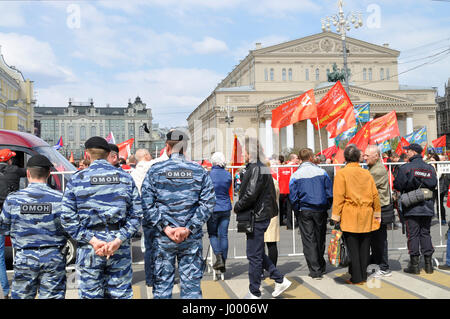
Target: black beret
(114, 148)
(39, 161)
(415, 147)
(97, 142)
(176, 136)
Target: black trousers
(285, 210)
(419, 238)
(258, 260)
(379, 247)
(313, 227)
(358, 245)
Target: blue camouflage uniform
(177, 193)
(102, 201)
(31, 216)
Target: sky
(173, 53)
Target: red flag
(424, 150)
(71, 158)
(361, 139)
(329, 151)
(342, 123)
(332, 105)
(298, 109)
(125, 148)
(403, 143)
(440, 141)
(384, 128)
(237, 157)
(162, 152)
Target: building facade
(443, 113)
(16, 99)
(79, 121)
(270, 76)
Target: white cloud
(210, 45)
(171, 93)
(11, 14)
(32, 56)
(243, 50)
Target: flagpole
(320, 136)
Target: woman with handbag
(256, 206)
(356, 207)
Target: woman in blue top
(220, 218)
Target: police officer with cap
(178, 198)
(32, 218)
(416, 180)
(102, 211)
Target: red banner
(298, 109)
(342, 123)
(329, 151)
(384, 128)
(440, 141)
(332, 105)
(125, 148)
(361, 139)
(403, 143)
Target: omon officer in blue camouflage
(31, 216)
(102, 210)
(178, 198)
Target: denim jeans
(218, 232)
(3, 277)
(258, 260)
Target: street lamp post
(228, 118)
(343, 24)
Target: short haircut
(140, 154)
(293, 157)
(254, 150)
(281, 159)
(218, 159)
(306, 154)
(97, 153)
(132, 159)
(177, 146)
(86, 162)
(39, 172)
(352, 154)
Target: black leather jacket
(257, 192)
(10, 179)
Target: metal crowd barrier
(237, 240)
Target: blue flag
(385, 146)
(417, 136)
(362, 113)
(345, 135)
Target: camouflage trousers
(39, 271)
(190, 267)
(101, 278)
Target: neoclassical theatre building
(273, 75)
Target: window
(284, 74)
(266, 75)
(71, 133)
(93, 131)
(271, 74)
(381, 74)
(306, 74)
(317, 74)
(82, 133)
(364, 74)
(388, 77)
(290, 74)
(370, 74)
(141, 132)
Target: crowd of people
(171, 198)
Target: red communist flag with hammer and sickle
(298, 109)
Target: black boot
(219, 262)
(223, 269)
(413, 266)
(428, 264)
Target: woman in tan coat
(272, 234)
(356, 206)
